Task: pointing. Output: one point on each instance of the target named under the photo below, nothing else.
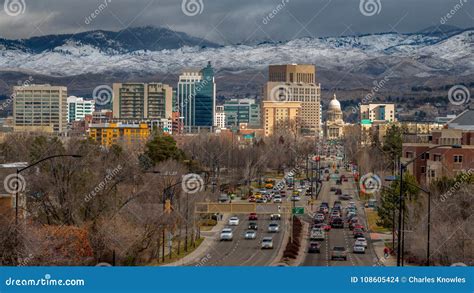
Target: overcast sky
(234, 21)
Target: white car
(273, 228)
(226, 234)
(358, 249)
(361, 241)
(234, 221)
(250, 234)
(317, 234)
(267, 243)
(275, 217)
(277, 199)
(295, 198)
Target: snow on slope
(342, 53)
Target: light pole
(403, 167)
(18, 171)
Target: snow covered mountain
(153, 50)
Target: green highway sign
(298, 211)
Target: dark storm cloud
(235, 21)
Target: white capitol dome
(334, 104)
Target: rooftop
(464, 121)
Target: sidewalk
(200, 253)
(378, 243)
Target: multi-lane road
(244, 252)
(340, 237)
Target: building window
(457, 159)
(437, 158)
(423, 169)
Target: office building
(282, 116)
(378, 112)
(196, 97)
(239, 111)
(40, 108)
(108, 134)
(292, 73)
(219, 120)
(297, 83)
(78, 108)
(142, 101)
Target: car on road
(273, 227)
(233, 221)
(338, 191)
(283, 193)
(250, 234)
(358, 233)
(226, 234)
(253, 217)
(295, 198)
(253, 226)
(319, 217)
(333, 189)
(337, 223)
(345, 197)
(277, 199)
(317, 234)
(338, 252)
(252, 199)
(345, 179)
(314, 247)
(326, 227)
(223, 197)
(358, 249)
(275, 217)
(267, 243)
(361, 241)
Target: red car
(327, 227)
(253, 217)
(251, 199)
(359, 226)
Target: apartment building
(142, 101)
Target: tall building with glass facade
(142, 101)
(78, 108)
(242, 111)
(196, 97)
(40, 108)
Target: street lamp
(403, 167)
(18, 171)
